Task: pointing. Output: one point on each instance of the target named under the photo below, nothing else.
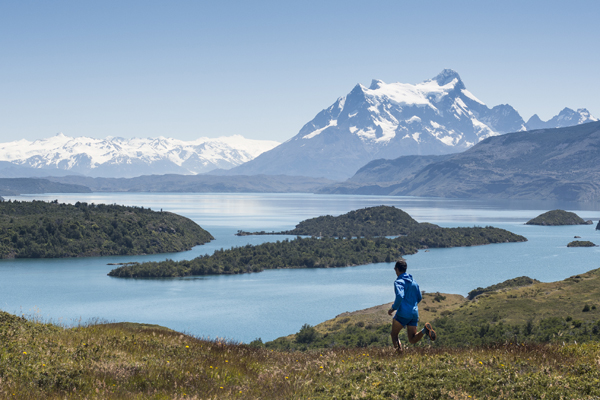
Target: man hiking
(406, 305)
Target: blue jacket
(408, 296)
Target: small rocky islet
(581, 243)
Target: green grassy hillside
(38, 229)
(567, 311)
(132, 361)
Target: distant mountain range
(549, 164)
(438, 116)
(384, 121)
(117, 157)
(16, 186)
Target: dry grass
(131, 361)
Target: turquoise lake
(278, 302)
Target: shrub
(439, 298)
(307, 334)
(586, 308)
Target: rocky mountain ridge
(551, 164)
(438, 116)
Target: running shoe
(429, 331)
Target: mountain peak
(446, 76)
(375, 84)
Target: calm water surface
(278, 302)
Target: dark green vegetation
(558, 217)
(16, 186)
(549, 164)
(519, 310)
(366, 222)
(511, 283)
(317, 253)
(39, 229)
(131, 361)
(200, 183)
(581, 243)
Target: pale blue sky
(262, 69)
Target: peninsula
(39, 229)
(327, 252)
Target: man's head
(400, 266)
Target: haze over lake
(274, 303)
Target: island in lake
(558, 217)
(366, 222)
(326, 252)
(39, 229)
(581, 243)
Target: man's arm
(399, 290)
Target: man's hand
(390, 311)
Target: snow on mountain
(567, 117)
(119, 157)
(438, 116)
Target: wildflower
(211, 366)
(221, 387)
(286, 377)
(480, 363)
(24, 352)
(226, 361)
(187, 347)
(321, 366)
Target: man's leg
(413, 335)
(396, 328)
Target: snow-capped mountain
(566, 117)
(119, 157)
(438, 116)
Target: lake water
(278, 302)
